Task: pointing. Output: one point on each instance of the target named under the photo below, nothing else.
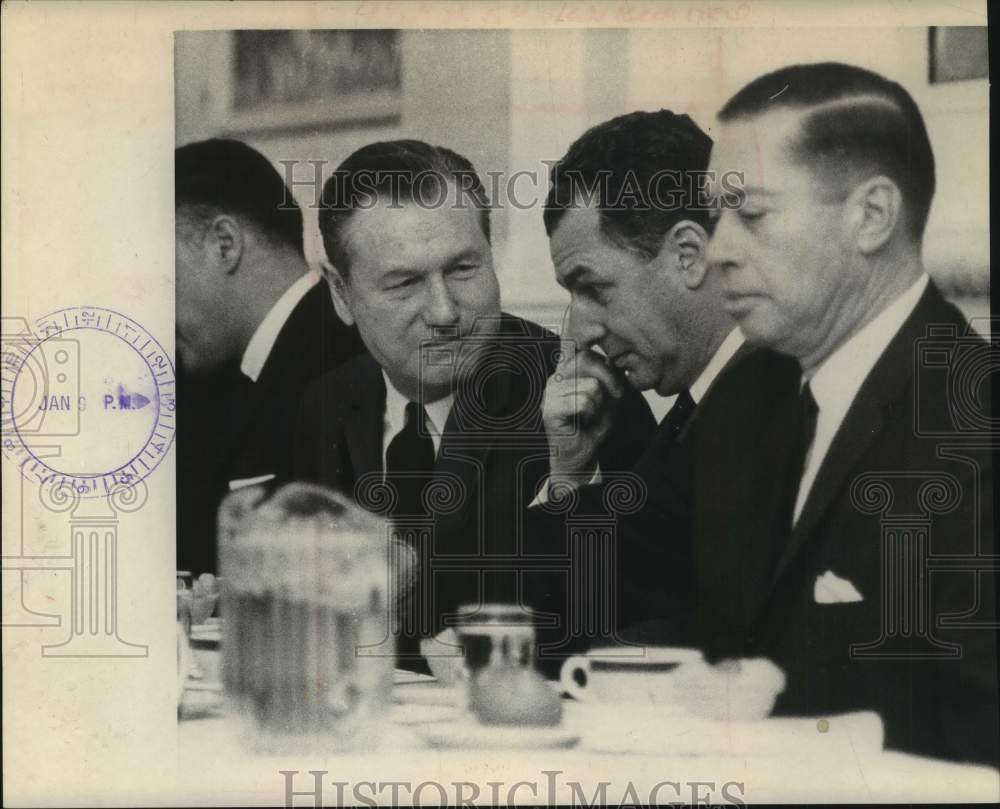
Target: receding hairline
(385, 199)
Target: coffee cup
(645, 677)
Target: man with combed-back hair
(836, 490)
(628, 229)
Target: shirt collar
(263, 340)
(838, 378)
(395, 411)
(722, 355)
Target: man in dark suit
(627, 219)
(832, 502)
(254, 326)
(628, 226)
(439, 425)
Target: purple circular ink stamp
(88, 398)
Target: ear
(226, 243)
(687, 241)
(338, 290)
(875, 208)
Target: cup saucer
(469, 734)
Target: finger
(591, 389)
(563, 394)
(592, 364)
(566, 404)
(568, 350)
(587, 409)
(592, 404)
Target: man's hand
(580, 400)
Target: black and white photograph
(514, 404)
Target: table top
(638, 753)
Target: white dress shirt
(260, 345)
(722, 355)
(395, 416)
(836, 381)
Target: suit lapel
(462, 463)
(468, 444)
(863, 423)
(874, 406)
(762, 498)
(291, 348)
(364, 416)
(245, 403)
(463, 454)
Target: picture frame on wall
(314, 79)
(958, 53)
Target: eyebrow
(461, 255)
(464, 255)
(398, 274)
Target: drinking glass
(304, 586)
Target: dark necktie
(804, 434)
(665, 436)
(802, 431)
(678, 415)
(409, 462)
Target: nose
(439, 308)
(722, 246)
(584, 324)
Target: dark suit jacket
(232, 428)
(652, 616)
(906, 488)
(493, 455)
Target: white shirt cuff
(543, 494)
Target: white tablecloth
(839, 760)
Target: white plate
(469, 734)
(422, 714)
(426, 693)
(663, 730)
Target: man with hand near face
(832, 471)
(438, 425)
(628, 221)
(628, 233)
